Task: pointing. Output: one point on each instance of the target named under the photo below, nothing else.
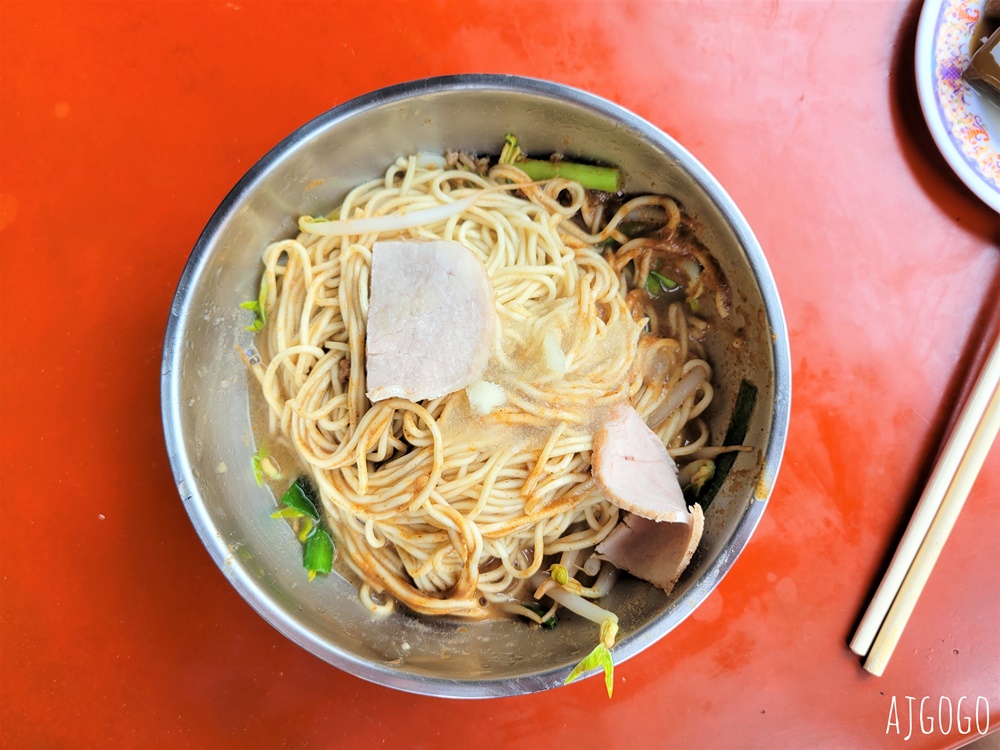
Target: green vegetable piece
(257, 307)
(656, 282)
(549, 622)
(704, 473)
(746, 401)
(608, 664)
(262, 300)
(510, 150)
(599, 657)
(258, 470)
(633, 229)
(289, 513)
(270, 467)
(605, 179)
(317, 556)
(306, 530)
(297, 497)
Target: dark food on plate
(983, 72)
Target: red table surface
(124, 124)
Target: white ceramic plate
(965, 125)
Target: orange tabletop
(124, 124)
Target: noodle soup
(441, 504)
(211, 433)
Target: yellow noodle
(431, 505)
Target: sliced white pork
(634, 470)
(431, 319)
(655, 551)
(656, 538)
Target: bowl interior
(205, 403)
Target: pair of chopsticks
(932, 521)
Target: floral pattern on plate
(959, 109)
(956, 100)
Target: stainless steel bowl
(204, 384)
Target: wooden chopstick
(920, 571)
(955, 469)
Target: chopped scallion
(256, 460)
(262, 299)
(289, 513)
(633, 229)
(297, 497)
(270, 467)
(656, 282)
(605, 179)
(258, 307)
(510, 150)
(306, 530)
(318, 550)
(317, 556)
